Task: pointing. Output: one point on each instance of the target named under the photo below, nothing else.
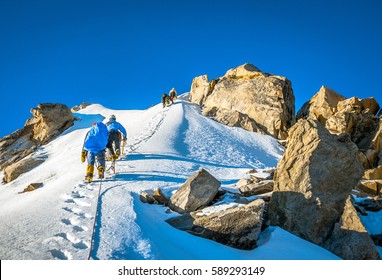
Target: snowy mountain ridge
(165, 146)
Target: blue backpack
(96, 138)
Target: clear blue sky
(125, 54)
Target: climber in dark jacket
(166, 100)
(115, 128)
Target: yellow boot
(89, 173)
(100, 172)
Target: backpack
(96, 139)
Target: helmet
(112, 118)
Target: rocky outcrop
(16, 146)
(200, 88)
(313, 180)
(198, 191)
(49, 120)
(80, 107)
(321, 106)
(13, 171)
(355, 117)
(238, 227)
(248, 98)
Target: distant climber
(166, 100)
(94, 148)
(173, 95)
(115, 130)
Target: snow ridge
(165, 146)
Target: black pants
(113, 138)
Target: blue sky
(125, 54)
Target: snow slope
(165, 146)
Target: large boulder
(198, 191)
(238, 227)
(321, 106)
(251, 99)
(313, 181)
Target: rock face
(313, 181)
(321, 106)
(238, 227)
(198, 191)
(349, 238)
(355, 117)
(13, 171)
(200, 88)
(49, 121)
(248, 98)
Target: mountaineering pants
(91, 157)
(113, 138)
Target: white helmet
(112, 118)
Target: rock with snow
(145, 197)
(198, 191)
(49, 121)
(257, 188)
(238, 227)
(159, 196)
(349, 238)
(32, 187)
(80, 107)
(16, 146)
(313, 181)
(13, 171)
(252, 99)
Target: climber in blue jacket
(115, 130)
(94, 148)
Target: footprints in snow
(77, 222)
(152, 127)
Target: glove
(124, 139)
(84, 153)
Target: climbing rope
(95, 221)
(163, 113)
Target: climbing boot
(117, 153)
(89, 173)
(100, 172)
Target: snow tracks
(78, 215)
(76, 224)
